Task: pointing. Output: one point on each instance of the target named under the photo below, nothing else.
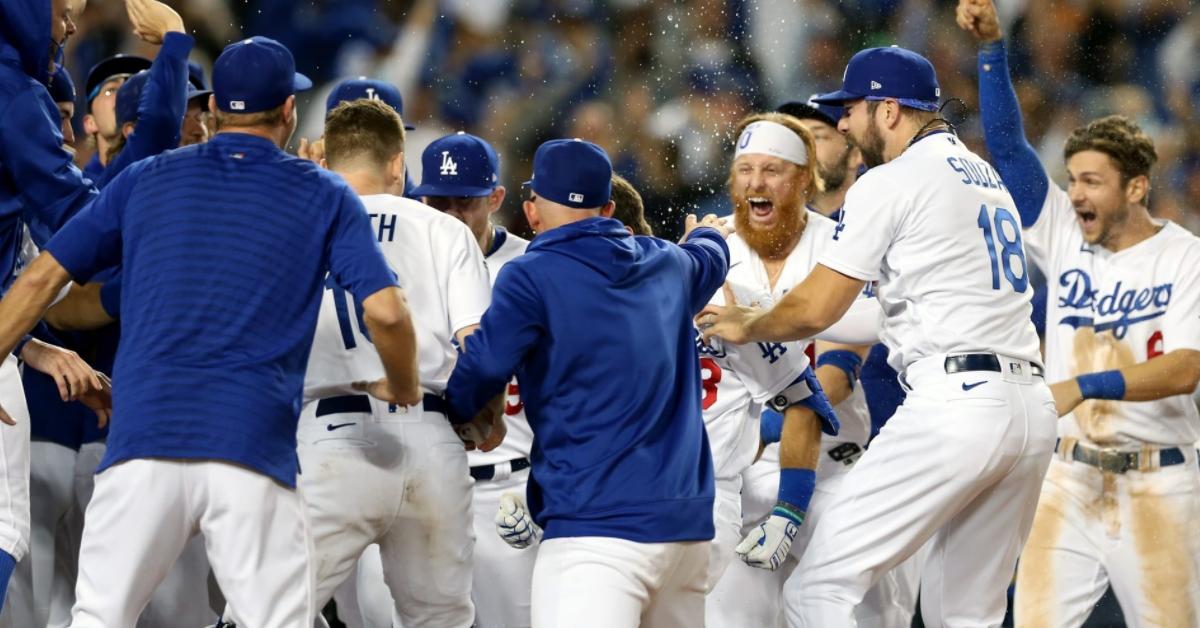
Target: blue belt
(488, 471)
(981, 362)
(1115, 461)
(350, 404)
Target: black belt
(488, 471)
(982, 362)
(1115, 461)
(349, 404)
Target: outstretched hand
(152, 20)
(979, 18)
(691, 223)
(730, 322)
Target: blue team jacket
(597, 326)
(38, 182)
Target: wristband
(795, 492)
(848, 361)
(1102, 385)
(770, 426)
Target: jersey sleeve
(355, 259)
(1181, 329)
(860, 324)
(870, 221)
(707, 257)
(1045, 239)
(91, 241)
(468, 288)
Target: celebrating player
(460, 176)
(173, 465)
(622, 480)
(963, 458)
(1119, 502)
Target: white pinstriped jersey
(1109, 310)
(519, 439)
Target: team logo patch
(449, 166)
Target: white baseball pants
(143, 513)
(601, 582)
(399, 480)
(14, 463)
(960, 466)
(503, 576)
(1137, 531)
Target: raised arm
(1003, 129)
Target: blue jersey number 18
(1010, 247)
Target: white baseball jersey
(519, 439)
(903, 219)
(748, 278)
(1109, 310)
(439, 266)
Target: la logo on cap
(449, 167)
(575, 197)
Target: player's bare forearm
(28, 299)
(837, 382)
(79, 310)
(808, 309)
(800, 443)
(1174, 373)
(390, 323)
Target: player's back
(953, 276)
(223, 247)
(612, 390)
(438, 264)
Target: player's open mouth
(761, 209)
(1087, 218)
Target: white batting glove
(514, 523)
(768, 544)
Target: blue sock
(7, 564)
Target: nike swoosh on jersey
(334, 426)
(967, 386)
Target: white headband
(771, 138)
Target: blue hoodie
(597, 326)
(38, 181)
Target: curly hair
(1121, 139)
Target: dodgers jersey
(1109, 310)
(938, 230)
(519, 439)
(748, 278)
(446, 286)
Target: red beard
(780, 239)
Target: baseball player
(1123, 348)
(100, 123)
(621, 479)
(240, 333)
(386, 474)
(961, 462)
(196, 120)
(774, 172)
(460, 176)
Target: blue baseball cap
(574, 173)
(113, 67)
(458, 165)
(62, 88)
(894, 72)
(255, 74)
(197, 84)
(812, 110)
(372, 89)
(128, 97)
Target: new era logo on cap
(876, 85)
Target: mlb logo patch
(575, 197)
(237, 105)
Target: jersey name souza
(1129, 304)
(976, 172)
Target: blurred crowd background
(661, 83)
